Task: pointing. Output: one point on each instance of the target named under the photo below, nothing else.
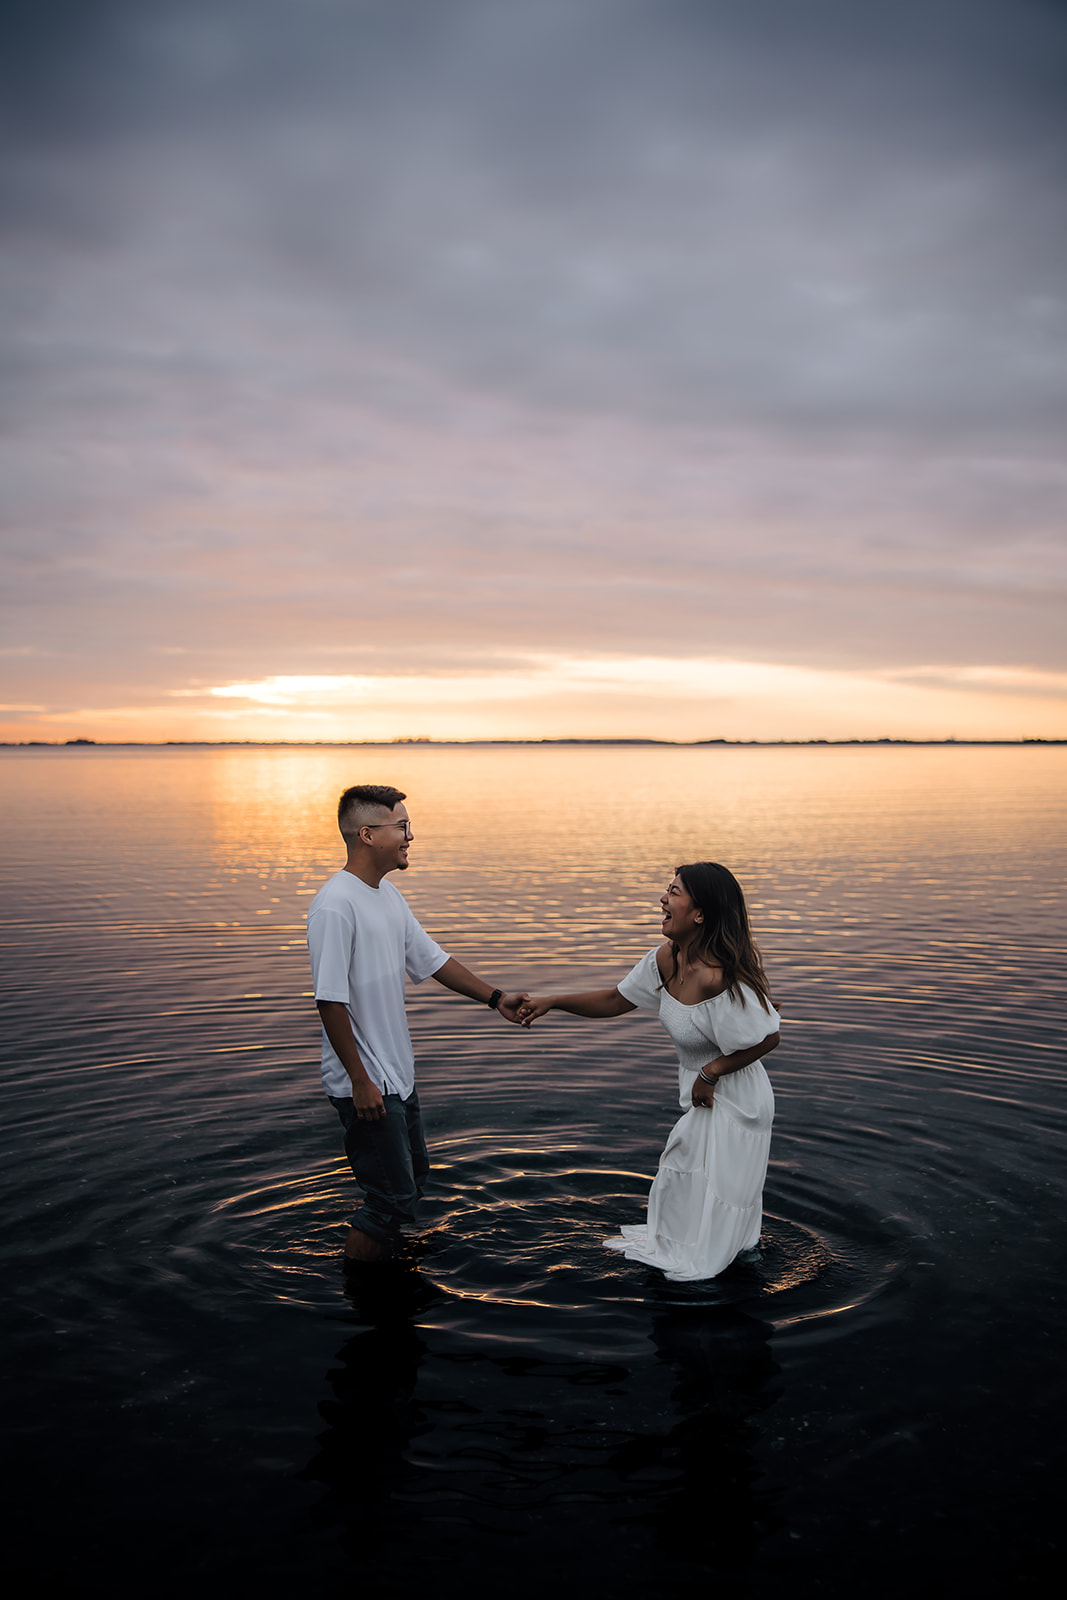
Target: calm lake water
(197, 1405)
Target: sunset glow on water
(179, 1237)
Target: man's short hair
(357, 805)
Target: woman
(708, 985)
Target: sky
(683, 369)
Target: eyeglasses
(404, 823)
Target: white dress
(706, 1203)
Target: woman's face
(681, 918)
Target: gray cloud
(817, 217)
(543, 294)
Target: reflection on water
(532, 1404)
(498, 1441)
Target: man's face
(390, 839)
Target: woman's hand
(533, 1006)
(703, 1093)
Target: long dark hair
(724, 938)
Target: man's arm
(455, 976)
(366, 1096)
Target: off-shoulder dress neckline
(692, 1005)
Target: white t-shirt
(362, 942)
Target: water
(198, 1406)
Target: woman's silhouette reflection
(716, 1509)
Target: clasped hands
(510, 1007)
(532, 1007)
(523, 1009)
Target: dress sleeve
(642, 986)
(739, 1024)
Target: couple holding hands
(705, 981)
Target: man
(363, 938)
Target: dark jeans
(390, 1163)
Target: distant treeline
(352, 744)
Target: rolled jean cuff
(365, 1221)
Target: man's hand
(509, 1006)
(367, 1099)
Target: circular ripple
(521, 1227)
(515, 1225)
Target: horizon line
(392, 744)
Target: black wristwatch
(495, 999)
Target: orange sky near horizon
(556, 698)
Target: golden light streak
(566, 696)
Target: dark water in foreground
(196, 1406)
